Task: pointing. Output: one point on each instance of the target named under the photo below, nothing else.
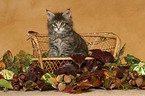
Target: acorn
(126, 71)
(132, 82)
(134, 74)
(16, 87)
(128, 78)
(11, 82)
(22, 76)
(16, 80)
(20, 83)
(15, 75)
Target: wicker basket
(105, 41)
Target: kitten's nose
(58, 27)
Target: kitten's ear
(50, 15)
(67, 14)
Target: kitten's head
(59, 22)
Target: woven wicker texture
(104, 40)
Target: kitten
(63, 40)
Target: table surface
(91, 92)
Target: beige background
(126, 18)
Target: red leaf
(97, 54)
(139, 81)
(83, 87)
(69, 89)
(143, 87)
(117, 82)
(108, 57)
(126, 85)
(34, 73)
(77, 91)
(1, 76)
(7, 59)
(95, 81)
(84, 84)
(98, 73)
(103, 56)
(112, 86)
(78, 58)
(66, 69)
(108, 82)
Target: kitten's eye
(54, 24)
(62, 24)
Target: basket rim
(60, 58)
(33, 36)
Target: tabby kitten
(63, 40)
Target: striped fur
(63, 40)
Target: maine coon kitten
(63, 40)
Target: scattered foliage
(34, 73)
(87, 73)
(103, 56)
(7, 74)
(66, 69)
(5, 84)
(19, 63)
(103, 71)
(130, 59)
